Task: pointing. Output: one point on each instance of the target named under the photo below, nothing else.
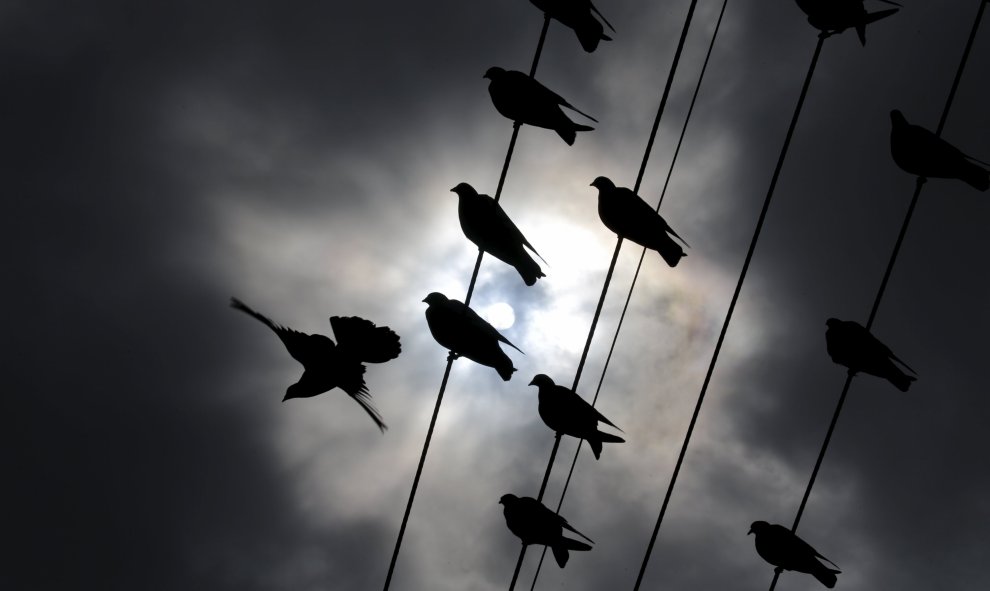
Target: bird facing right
(780, 547)
(626, 214)
(533, 523)
(848, 343)
(920, 152)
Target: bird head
(540, 380)
(897, 118)
(464, 190)
(757, 527)
(494, 72)
(507, 499)
(603, 183)
(436, 298)
(832, 322)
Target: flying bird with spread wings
(327, 365)
(459, 329)
(521, 98)
(848, 343)
(579, 15)
(920, 152)
(629, 216)
(565, 412)
(485, 223)
(534, 523)
(835, 16)
(780, 547)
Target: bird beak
(750, 531)
(533, 382)
(424, 300)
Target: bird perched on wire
(565, 412)
(780, 547)
(327, 365)
(835, 16)
(626, 214)
(920, 152)
(533, 523)
(459, 328)
(486, 224)
(521, 98)
(580, 16)
(848, 343)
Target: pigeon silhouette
(565, 412)
(920, 152)
(327, 365)
(486, 224)
(848, 343)
(521, 98)
(580, 16)
(781, 548)
(626, 214)
(533, 523)
(459, 328)
(835, 16)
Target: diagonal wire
(615, 258)
(919, 184)
(467, 300)
(625, 307)
(732, 306)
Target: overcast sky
(159, 158)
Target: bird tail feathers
(363, 397)
(569, 133)
(561, 550)
(530, 270)
(902, 381)
(826, 576)
(975, 177)
(505, 369)
(672, 253)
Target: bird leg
(452, 356)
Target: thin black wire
(919, 184)
(615, 258)
(467, 301)
(625, 307)
(732, 306)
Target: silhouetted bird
(848, 343)
(485, 223)
(626, 214)
(533, 523)
(521, 98)
(565, 412)
(459, 328)
(327, 365)
(778, 546)
(920, 152)
(578, 15)
(835, 16)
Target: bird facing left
(328, 365)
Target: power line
(467, 301)
(625, 307)
(615, 258)
(919, 185)
(732, 306)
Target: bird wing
(876, 347)
(364, 340)
(640, 220)
(304, 348)
(601, 16)
(478, 323)
(537, 92)
(799, 546)
(511, 230)
(581, 406)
